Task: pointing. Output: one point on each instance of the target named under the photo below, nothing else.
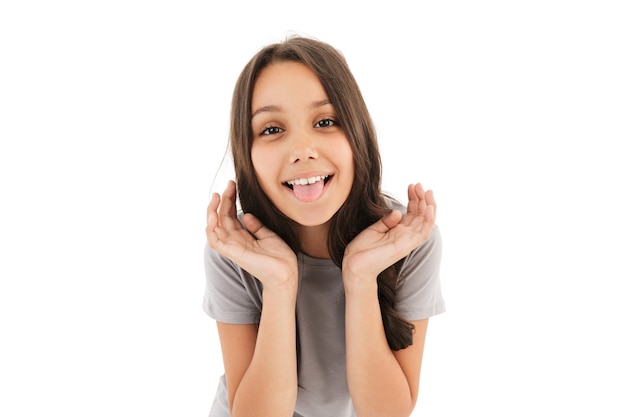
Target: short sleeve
(231, 294)
(418, 295)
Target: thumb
(390, 220)
(255, 226)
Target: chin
(309, 221)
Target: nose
(302, 148)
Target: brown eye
(272, 130)
(326, 123)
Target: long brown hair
(365, 203)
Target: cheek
(262, 163)
(256, 155)
(347, 156)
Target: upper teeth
(305, 181)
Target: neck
(313, 241)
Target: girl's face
(300, 154)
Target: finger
(421, 205)
(231, 194)
(211, 234)
(430, 216)
(214, 232)
(388, 222)
(255, 227)
(416, 205)
(213, 205)
(212, 227)
(411, 207)
(430, 201)
(228, 208)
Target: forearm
(270, 384)
(377, 384)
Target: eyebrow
(273, 108)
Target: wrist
(358, 271)
(282, 287)
(359, 283)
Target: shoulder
(220, 269)
(418, 289)
(426, 257)
(215, 260)
(232, 295)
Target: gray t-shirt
(234, 296)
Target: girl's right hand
(257, 250)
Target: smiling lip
(308, 189)
(307, 179)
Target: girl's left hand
(391, 238)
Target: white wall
(113, 119)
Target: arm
(383, 382)
(259, 361)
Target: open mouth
(308, 181)
(310, 189)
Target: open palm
(393, 237)
(254, 248)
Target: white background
(113, 120)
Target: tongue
(310, 192)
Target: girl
(322, 290)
